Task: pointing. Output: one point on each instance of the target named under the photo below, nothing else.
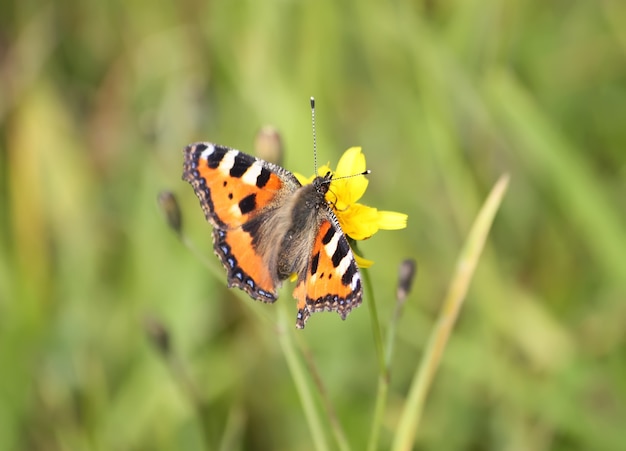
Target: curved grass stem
(335, 425)
(303, 385)
(411, 415)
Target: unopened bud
(169, 206)
(268, 145)
(406, 275)
(158, 334)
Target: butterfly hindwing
(332, 281)
(245, 268)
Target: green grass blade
(411, 415)
(303, 385)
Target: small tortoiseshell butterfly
(267, 226)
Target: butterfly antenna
(314, 140)
(366, 172)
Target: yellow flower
(358, 221)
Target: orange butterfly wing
(332, 281)
(234, 188)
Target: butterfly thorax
(305, 212)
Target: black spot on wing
(263, 178)
(340, 252)
(247, 204)
(329, 235)
(214, 160)
(314, 262)
(346, 278)
(241, 165)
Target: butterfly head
(322, 184)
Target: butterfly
(267, 227)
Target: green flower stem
(303, 385)
(383, 375)
(379, 412)
(189, 388)
(233, 430)
(378, 336)
(335, 425)
(411, 415)
(383, 382)
(391, 334)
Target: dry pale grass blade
(410, 418)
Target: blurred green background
(97, 100)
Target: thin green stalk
(160, 338)
(379, 412)
(383, 384)
(391, 334)
(233, 430)
(383, 377)
(303, 386)
(378, 337)
(411, 415)
(335, 425)
(384, 381)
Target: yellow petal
(391, 220)
(359, 221)
(347, 191)
(351, 162)
(362, 262)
